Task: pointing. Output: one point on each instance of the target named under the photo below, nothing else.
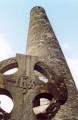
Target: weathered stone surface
(26, 88)
(21, 85)
(43, 43)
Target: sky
(14, 22)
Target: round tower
(41, 38)
(43, 43)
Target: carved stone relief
(55, 85)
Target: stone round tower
(43, 43)
(41, 38)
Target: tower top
(37, 9)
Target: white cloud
(5, 48)
(65, 46)
(73, 65)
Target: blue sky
(63, 16)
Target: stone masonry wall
(43, 43)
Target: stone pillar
(43, 43)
